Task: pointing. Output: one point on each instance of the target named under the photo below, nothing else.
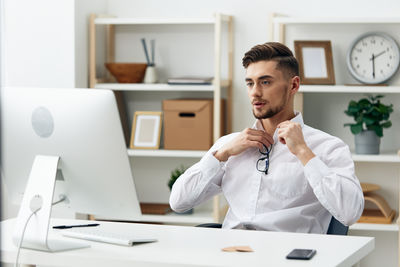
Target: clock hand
(373, 66)
(383, 52)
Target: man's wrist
(305, 155)
(221, 155)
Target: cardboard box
(188, 123)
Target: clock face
(373, 58)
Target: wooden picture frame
(315, 62)
(146, 130)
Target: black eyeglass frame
(266, 158)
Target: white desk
(193, 246)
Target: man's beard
(272, 111)
(269, 113)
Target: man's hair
(273, 51)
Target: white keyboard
(98, 235)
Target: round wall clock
(373, 58)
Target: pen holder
(150, 75)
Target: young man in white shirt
(279, 175)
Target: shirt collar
(297, 118)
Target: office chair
(335, 227)
(210, 225)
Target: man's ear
(295, 84)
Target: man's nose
(256, 90)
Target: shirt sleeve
(335, 184)
(200, 182)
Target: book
(190, 80)
(155, 208)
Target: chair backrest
(210, 225)
(337, 228)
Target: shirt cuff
(315, 170)
(211, 167)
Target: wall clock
(373, 58)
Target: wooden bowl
(127, 72)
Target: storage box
(188, 123)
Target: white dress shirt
(290, 198)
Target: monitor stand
(39, 194)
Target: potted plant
(175, 173)
(370, 116)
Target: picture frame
(146, 130)
(315, 62)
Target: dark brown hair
(273, 51)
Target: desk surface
(194, 246)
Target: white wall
(39, 43)
(83, 9)
(45, 45)
(47, 42)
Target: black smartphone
(301, 254)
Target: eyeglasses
(263, 162)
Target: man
(279, 175)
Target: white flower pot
(367, 142)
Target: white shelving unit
(332, 20)
(381, 158)
(393, 227)
(201, 214)
(349, 89)
(166, 153)
(278, 33)
(279, 23)
(159, 87)
(107, 20)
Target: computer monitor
(74, 135)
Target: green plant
(175, 173)
(369, 114)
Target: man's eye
(249, 84)
(265, 82)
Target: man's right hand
(247, 138)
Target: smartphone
(301, 254)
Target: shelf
(322, 20)
(159, 87)
(375, 227)
(150, 21)
(199, 216)
(166, 153)
(157, 21)
(384, 158)
(349, 89)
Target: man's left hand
(291, 134)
